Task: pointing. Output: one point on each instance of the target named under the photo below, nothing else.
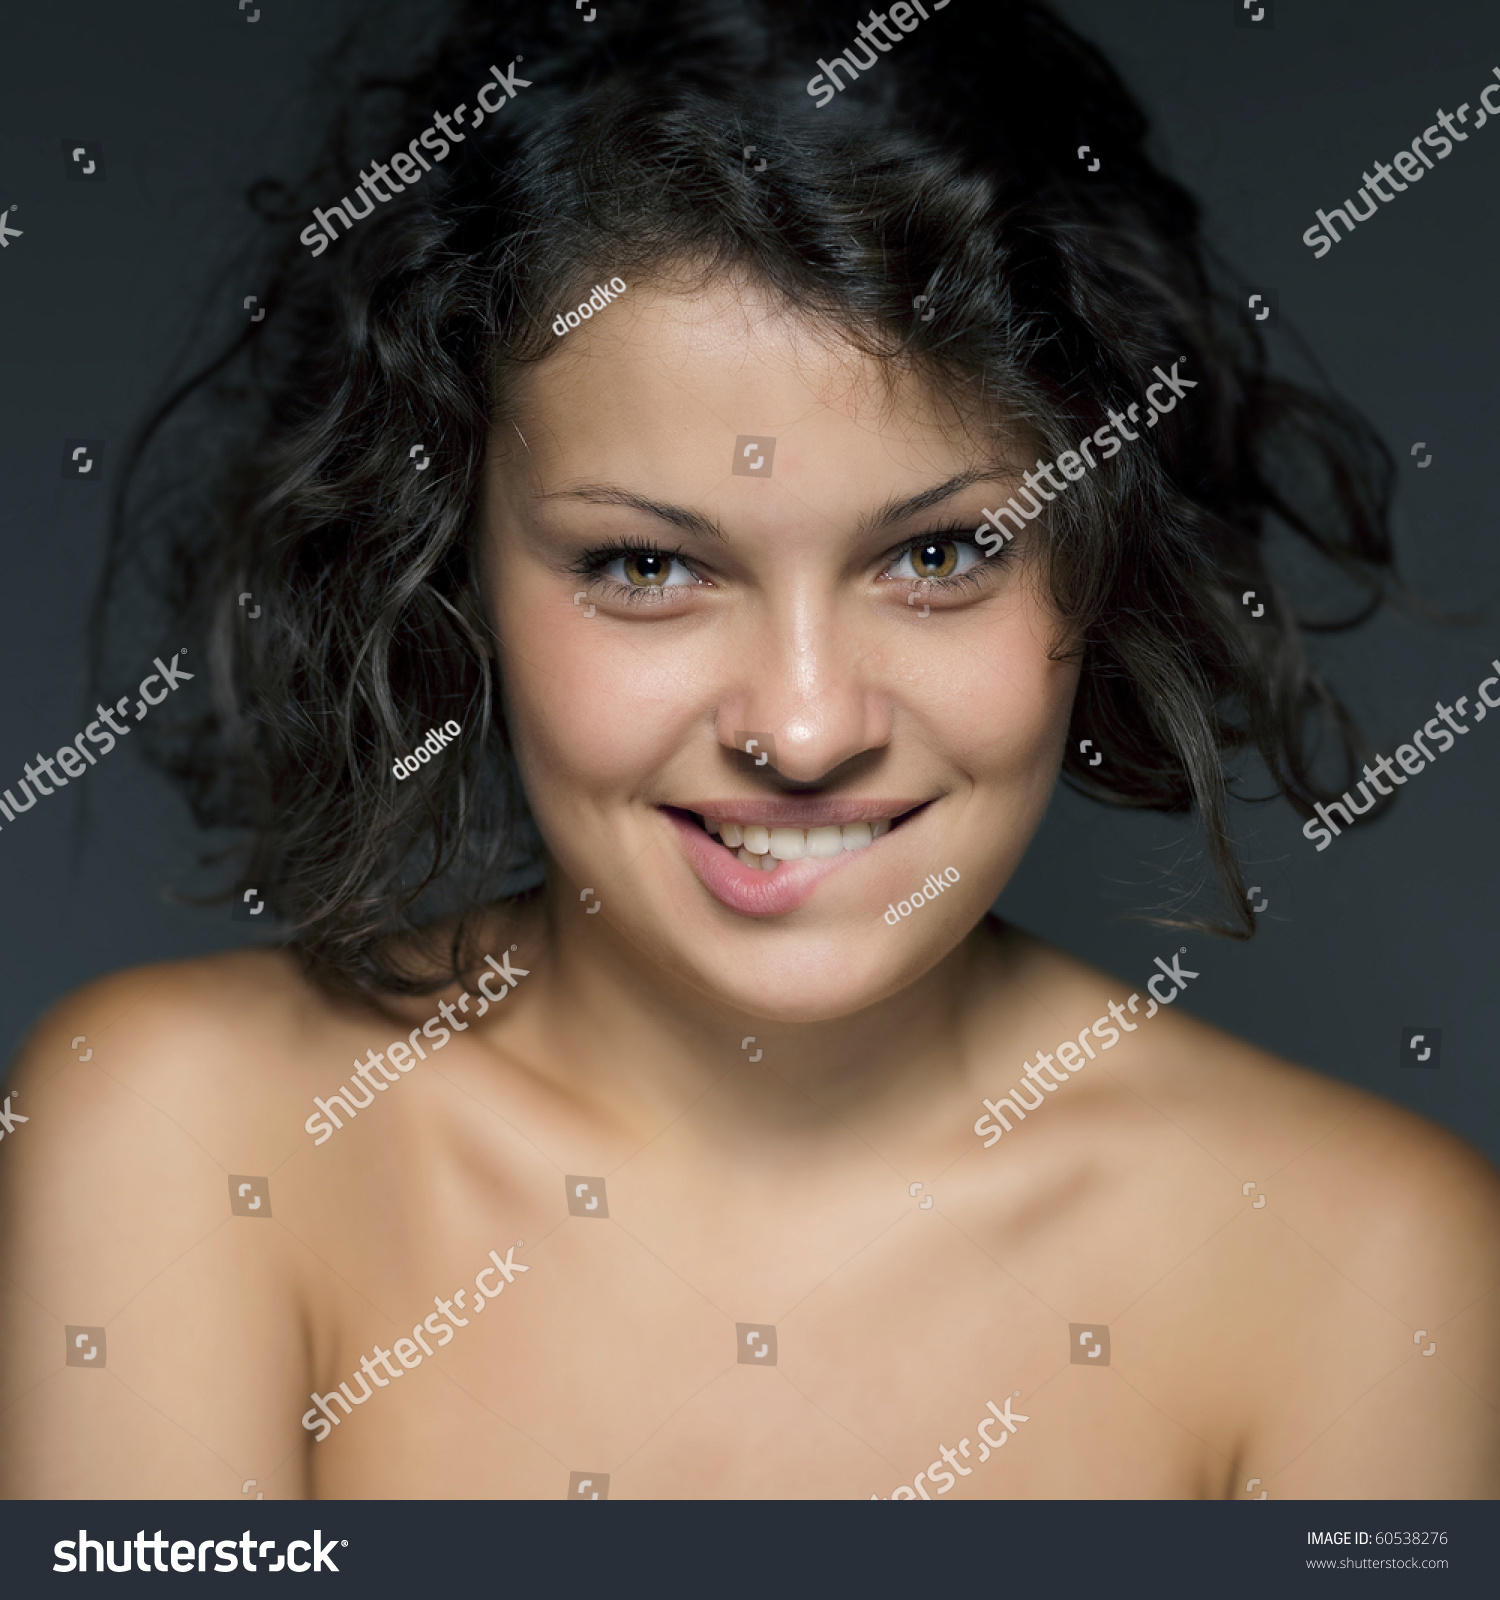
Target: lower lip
(752, 891)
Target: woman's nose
(809, 695)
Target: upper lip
(792, 811)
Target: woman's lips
(752, 891)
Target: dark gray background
(1389, 928)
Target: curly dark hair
(951, 172)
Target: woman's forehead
(725, 354)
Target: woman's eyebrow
(603, 494)
(894, 511)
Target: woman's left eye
(648, 569)
(936, 559)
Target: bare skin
(1270, 1342)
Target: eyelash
(591, 563)
(953, 534)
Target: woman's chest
(629, 1339)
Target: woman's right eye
(647, 569)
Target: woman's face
(703, 528)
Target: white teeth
(759, 846)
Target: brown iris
(647, 569)
(934, 560)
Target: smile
(760, 845)
(754, 858)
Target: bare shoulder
(1316, 1135)
(1396, 1191)
(148, 1022)
(143, 1059)
(1383, 1274)
(146, 1095)
(1349, 1258)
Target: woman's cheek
(1016, 700)
(587, 703)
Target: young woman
(694, 519)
